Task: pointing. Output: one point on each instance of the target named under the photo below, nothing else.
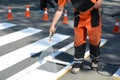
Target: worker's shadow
(34, 55)
(104, 69)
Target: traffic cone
(65, 18)
(27, 13)
(45, 15)
(116, 26)
(10, 15)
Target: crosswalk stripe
(24, 72)
(31, 69)
(17, 35)
(5, 25)
(38, 75)
(20, 54)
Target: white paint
(17, 35)
(34, 74)
(57, 61)
(37, 74)
(24, 72)
(32, 69)
(5, 25)
(18, 55)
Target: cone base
(116, 29)
(27, 14)
(65, 22)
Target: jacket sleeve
(62, 3)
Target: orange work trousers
(84, 28)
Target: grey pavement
(110, 52)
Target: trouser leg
(95, 53)
(45, 4)
(41, 4)
(94, 34)
(80, 33)
(79, 55)
(95, 56)
(78, 58)
(95, 37)
(56, 1)
(51, 3)
(80, 45)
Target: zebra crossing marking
(31, 70)
(18, 55)
(17, 35)
(33, 73)
(38, 75)
(5, 25)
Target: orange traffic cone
(45, 15)
(27, 13)
(65, 18)
(10, 16)
(116, 27)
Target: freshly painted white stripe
(59, 73)
(20, 54)
(30, 70)
(24, 72)
(37, 74)
(58, 61)
(17, 35)
(5, 25)
(37, 64)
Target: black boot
(94, 65)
